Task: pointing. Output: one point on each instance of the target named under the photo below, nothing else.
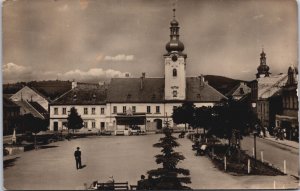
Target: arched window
(174, 72)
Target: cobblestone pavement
(125, 158)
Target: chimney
(74, 84)
(142, 80)
(202, 80)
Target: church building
(145, 102)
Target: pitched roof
(268, 86)
(122, 90)
(239, 90)
(83, 95)
(39, 108)
(27, 108)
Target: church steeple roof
(174, 44)
(263, 68)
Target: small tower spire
(174, 13)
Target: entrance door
(158, 123)
(55, 126)
(102, 125)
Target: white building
(145, 102)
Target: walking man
(77, 155)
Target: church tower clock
(175, 65)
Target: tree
(74, 120)
(202, 118)
(166, 178)
(184, 114)
(34, 125)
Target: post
(262, 156)
(205, 140)
(225, 165)
(249, 166)
(274, 184)
(255, 149)
(284, 166)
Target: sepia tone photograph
(150, 94)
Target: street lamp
(255, 133)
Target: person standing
(77, 155)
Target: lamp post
(254, 135)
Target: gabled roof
(240, 89)
(83, 95)
(128, 90)
(38, 108)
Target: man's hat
(78, 148)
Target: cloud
(92, 73)
(258, 16)
(14, 73)
(13, 68)
(65, 7)
(119, 57)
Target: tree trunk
(35, 141)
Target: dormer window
(174, 72)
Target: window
(55, 111)
(85, 124)
(133, 109)
(93, 111)
(115, 109)
(174, 107)
(64, 111)
(93, 124)
(174, 93)
(148, 109)
(102, 110)
(85, 111)
(124, 109)
(174, 72)
(157, 109)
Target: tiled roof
(124, 90)
(268, 86)
(27, 108)
(83, 95)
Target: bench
(113, 186)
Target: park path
(205, 176)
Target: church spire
(263, 68)
(175, 44)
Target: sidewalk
(285, 142)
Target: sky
(95, 40)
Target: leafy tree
(231, 115)
(34, 125)
(166, 178)
(184, 114)
(74, 120)
(202, 117)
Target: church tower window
(174, 93)
(174, 72)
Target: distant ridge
(221, 83)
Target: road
(274, 153)
(123, 157)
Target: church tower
(175, 65)
(263, 68)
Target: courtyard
(125, 158)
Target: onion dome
(174, 44)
